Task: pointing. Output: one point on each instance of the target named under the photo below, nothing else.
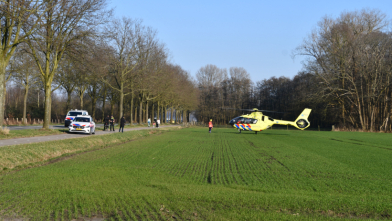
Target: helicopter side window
(262, 118)
(250, 121)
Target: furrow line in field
(185, 170)
(202, 164)
(216, 178)
(180, 165)
(139, 210)
(254, 167)
(195, 173)
(252, 162)
(230, 165)
(225, 164)
(153, 211)
(131, 209)
(237, 167)
(243, 165)
(168, 158)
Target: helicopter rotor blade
(252, 110)
(271, 111)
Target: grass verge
(29, 155)
(30, 133)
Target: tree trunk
(2, 95)
(140, 112)
(81, 100)
(131, 118)
(93, 104)
(121, 104)
(146, 117)
(153, 112)
(165, 113)
(111, 108)
(47, 106)
(172, 114)
(135, 114)
(103, 105)
(25, 104)
(68, 101)
(158, 116)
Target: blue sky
(256, 35)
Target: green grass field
(190, 174)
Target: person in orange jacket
(210, 125)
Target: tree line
(78, 47)
(119, 66)
(346, 78)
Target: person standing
(122, 124)
(149, 122)
(112, 123)
(210, 126)
(158, 122)
(106, 123)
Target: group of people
(157, 122)
(110, 121)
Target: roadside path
(40, 126)
(27, 140)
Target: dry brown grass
(4, 131)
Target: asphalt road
(40, 126)
(27, 140)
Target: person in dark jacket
(111, 123)
(122, 124)
(106, 123)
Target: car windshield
(74, 113)
(82, 119)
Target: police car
(82, 124)
(72, 114)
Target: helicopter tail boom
(301, 122)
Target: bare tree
(16, 25)
(123, 37)
(64, 23)
(350, 55)
(25, 74)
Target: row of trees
(75, 46)
(346, 78)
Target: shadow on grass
(253, 133)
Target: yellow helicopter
(256, 121)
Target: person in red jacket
(210, 125)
